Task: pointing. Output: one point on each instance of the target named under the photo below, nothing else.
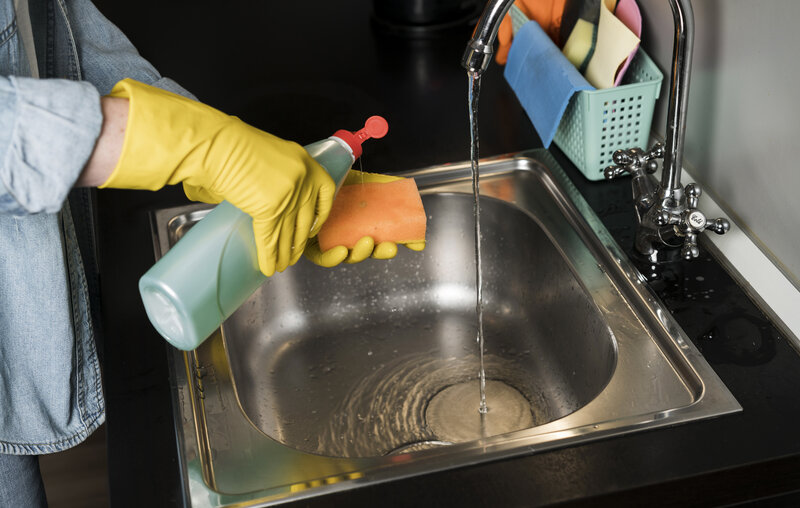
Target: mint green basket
(598, 122)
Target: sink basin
(327, 379)
(343, 362)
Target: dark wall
(304, 69)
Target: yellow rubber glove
(365, 247)
(171, 139)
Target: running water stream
(474, 93)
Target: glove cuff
(163, 130)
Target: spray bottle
(213, 269)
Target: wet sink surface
(344, 361)
(326, 376)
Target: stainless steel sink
(327, 379)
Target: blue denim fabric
(50, 388)
(38, 168)
(21, 482)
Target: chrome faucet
(481, 46)
(667, 212)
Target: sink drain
(453, 415)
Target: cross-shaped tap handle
(693, 222)
(634, 161)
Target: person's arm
(48, 130)
(109, 144)
(171, 140)
(108, 56)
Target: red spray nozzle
(375, 127)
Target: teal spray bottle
(213, 269)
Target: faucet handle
(634, 161)
(693, 222)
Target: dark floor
(78, 477)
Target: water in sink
(451, 413)
(419, 399)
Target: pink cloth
(628, 12)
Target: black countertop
(301, 70)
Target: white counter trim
(754, 270)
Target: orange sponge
(388, 212)
(547, 13)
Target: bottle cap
(375, 127)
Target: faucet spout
(683, 19)
(480, 47)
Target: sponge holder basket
(598, 122)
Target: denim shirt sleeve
(48, 129)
